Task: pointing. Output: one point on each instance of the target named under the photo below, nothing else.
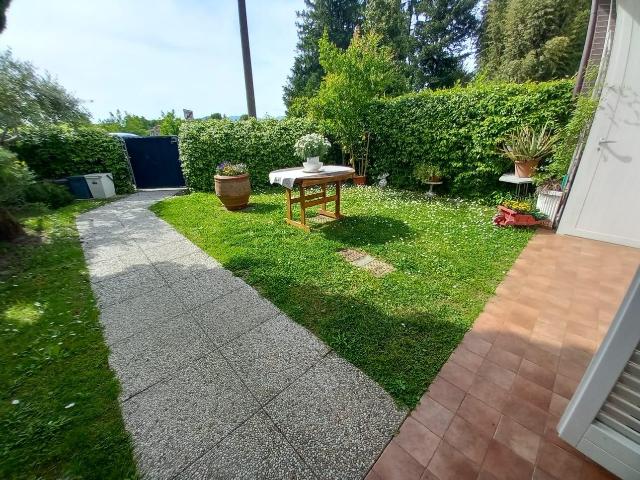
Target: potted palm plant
(232, 185)
(311, 147)
(526, 147)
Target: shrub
(60, 150)
(49, 194)
(460, 130)
(15, 177)
(263, 145)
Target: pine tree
(443, 33)
(392, 21)
(532, 39)
(339, 18)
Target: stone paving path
(216, 381)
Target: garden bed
(399, 328)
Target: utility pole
(246, 59)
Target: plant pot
(507, 217)
(233, 191)
(360, 180)
(526, 169)
(435, 179)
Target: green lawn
(59, 412)
(399, 329)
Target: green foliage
(56, 151)
(53, 354)
(263, 145)
(311, 145)
(426, 172)
(568, 139)
(525, 144)
(49, 194)
(391, 20)
(338, 18)
(442, 32)
(231, 169)
(15, 177)
(399, 329)
(355, 77)
(460, 130)
(127, 123)
(30, 98)
(532, 39)
(170, 124)
(4, 4)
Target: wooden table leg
(338, 199)
(324, 195)
(303, 207)
(289, 212)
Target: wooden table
(321, 179)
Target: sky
(148, 56)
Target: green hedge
(60, 150)
(459, 129)
(263, 145)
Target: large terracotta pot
(234, 191)
(526, 169)
(359, 180)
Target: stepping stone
(376, 267)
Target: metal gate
(155, 161)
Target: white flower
(15, 402)
(70, 405)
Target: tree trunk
(10, 228)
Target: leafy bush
(15, 177)
(263, 145)
(49, 194)
(460, 130)
(311, 145)
(56, 151)
(425, 172)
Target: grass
(398, 329)
(59, 411)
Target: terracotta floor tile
(591, 471)
(504, 464)
(449, 464)
(531, 392)
(537, 374)
(467, 439)
(571, 369)
(372, 475)
(518, 438)
(479, 414)
(417, 440)
(433, 415)
(541, 357)
(565, 386)
(559, 463)
(541, 475)
(495, 373)
(457, 375)
(396, 464)
(526, 414)
(489, 393)
(466, 358)
(551, 436)
(446, 393)
(557, 405)
(512, 343)
(476, 344)
(504, 358)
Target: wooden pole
(246, 59)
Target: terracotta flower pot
(234, 191)
(359, 180)
(526, 169)
(435, 178)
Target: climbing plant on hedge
(56, 151)
(263, 145)
(459, 130)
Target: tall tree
(391, 20)
(30, 98)
(339, 18)
(532, 39)
(444, 31)
(4, 4)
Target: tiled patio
(492, 411)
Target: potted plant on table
(526, 147)
(311, 147)
(232, 185)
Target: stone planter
(234, 191)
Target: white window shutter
(603, 418)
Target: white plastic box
(101, 185)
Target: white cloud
(145, 56)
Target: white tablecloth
(288, 176)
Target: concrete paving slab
(169, 251)
(174, 422)
(255, 450)
(234, 314)
(188, 266)
(156, 353)
(132, 282)
(336, 418)
(273, 355)
(127, 318)
(210, 285)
